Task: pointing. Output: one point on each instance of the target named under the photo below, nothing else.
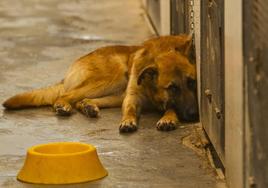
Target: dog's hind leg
(98, 83)
(63, 105)
(90, 107)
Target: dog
(156, 73)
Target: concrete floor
(39, 40)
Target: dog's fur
(157, 73)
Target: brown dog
(156, 73)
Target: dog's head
(170, 82)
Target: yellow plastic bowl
(61, 163)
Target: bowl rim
(90, 148)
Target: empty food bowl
(61, 163)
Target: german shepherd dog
(157, 73)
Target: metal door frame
(235, 114)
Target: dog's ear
(186, 45)
(149, 73)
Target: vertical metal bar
(234, 101)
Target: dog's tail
(35, 98)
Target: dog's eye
(191, 84)
(174, 88)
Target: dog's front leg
(131, 111)
(168, 122)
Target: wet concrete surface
(39, 40)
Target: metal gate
(212, 73)
(256, 59)
(234, 78)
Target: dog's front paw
(166, 125)
(128, 125)
(63, 109)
